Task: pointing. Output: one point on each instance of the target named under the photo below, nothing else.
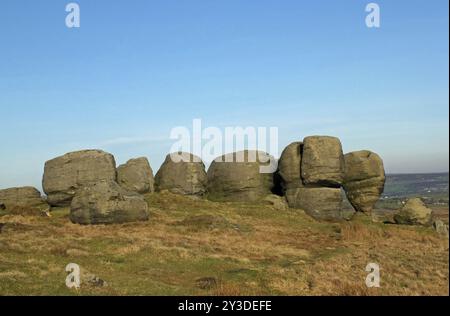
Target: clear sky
(136, 69)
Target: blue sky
(136, 69)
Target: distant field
(431, 187)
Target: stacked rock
(64, 175)
(87, 182)
(314, 177)
(313, 174)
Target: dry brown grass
(248, 249)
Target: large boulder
(136, 175)
(319, 202)
(238, 177)
(289, 167)
(106, 202)
(322, 161)
(182, 173)
(364, 179)
(414, 212)
(64, 175)
(22, 197)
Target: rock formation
(23, 197)
(311, 175)
(136, 175)
(64, 175)
(238, 177)
(414, 212)
(322, 161)
(322, 203)
(182, 173)
(364, 179)
(105, 202)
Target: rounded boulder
(182, 173)
(240, 177)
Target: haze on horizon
(133, 71)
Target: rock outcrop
(238, 177)
(182, 173)
(320, 202)
(136, 175)
(364, 179)
(105, 202)
(311, 174)
(23, 197)
(322, 161)
(64, 175)
(414, 212)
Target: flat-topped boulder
(319, 202)
(182, 173)
(364, 179)
(106, 202)
(414, 212)
(64, 175)
(22, 197)
(136, 175)
(322, 161)
(239, 177)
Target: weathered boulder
(440, 227)
(64, 175)
(22, 197)
(136, 175)
(106, 202)
(414, 212)
(182, 173)
(289, 167)
(238, 177)
(319, 202)
(322, 161)
(364, 179)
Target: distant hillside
(432, 187)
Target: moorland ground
(198, 247)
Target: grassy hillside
(198, 247)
